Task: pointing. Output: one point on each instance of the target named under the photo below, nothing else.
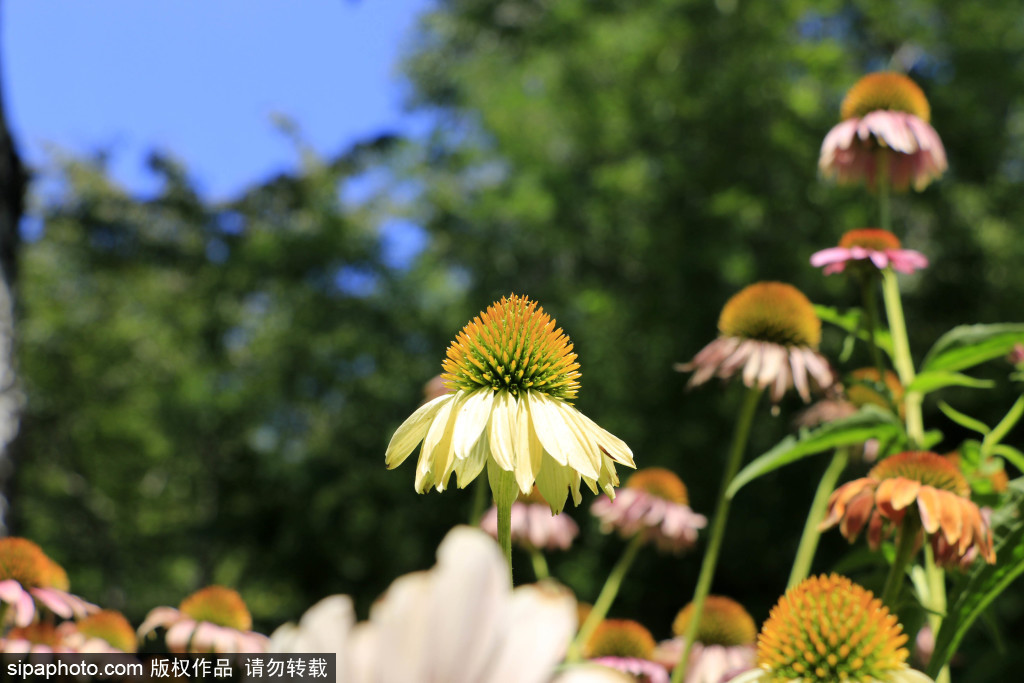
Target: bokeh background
(213, 357)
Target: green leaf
(985, 582)
(852, 320)
(968, 345)
(963, 420)
(927, 382)
(870, 422)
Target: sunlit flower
(627, 646)
(460, 622)
(828, 629)
(653, 503)
(512, 374)
(104, 631)
(770, 333)
(869, 247)
(724, 644)
(29, 579)
(533, 525)
(882, 499)
(213, 619)
(884, 115)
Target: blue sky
(202, 80)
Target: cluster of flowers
(503, 405)
(38, 614)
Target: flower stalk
(905, 548)
(605, 598)
(707, 569)
(809, 539)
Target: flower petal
(412, 431)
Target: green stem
(904, 553)
(809, 540)
(505, 532)
(505, 491)
(901, 356)
(936, 604)
(605, 598)
(871, 321)
(707, 567)
(540, 565)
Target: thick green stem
(707, 567)
(905, 548)
(505, 532)
(605, 598)
(540, 565)
(901, 356)
(505, 491)
(809, 540)
(936, 600)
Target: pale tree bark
(13, 181)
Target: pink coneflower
(724, 644)
(627, 646)
(214, 619)
(884, 117)
(104, 631)
(769, 333)
(29, 578)
(864, 246)
(533, 525)
(653, 503)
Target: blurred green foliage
(211, 387)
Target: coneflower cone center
(620, 638)
(930, 469)
(885, 90)
(23, 561)
(111, 627)
(218, 605)
(661, 483)
(772, 312)
(513, 346)
(724, 622)
(869, 238)
(830, 629)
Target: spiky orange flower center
(39, 633)
(661, 483)
(218, 605)
(930, 469)
(771, 312)
(869, 238)
(620, 638)
(110, 626)
(863, 389)
(513, 346)
(827, 629)
(885, 90)
(23, 561)
(724, 622)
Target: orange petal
(838, 500)
(951, 516)
(857, 513)
(928, 503)
(895, 494)
(875, 530)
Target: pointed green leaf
(963, 420)
(985, 582)
(932, 380)
(852, 320)
(968, 345)
(870, 422)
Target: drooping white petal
(557, 436)
(469, 468)
(588, 454)
(529, 449)
(412, 431)
(472, 419)
(437, 445)
(501, 430)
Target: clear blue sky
(202, 78)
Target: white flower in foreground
(460, 622)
